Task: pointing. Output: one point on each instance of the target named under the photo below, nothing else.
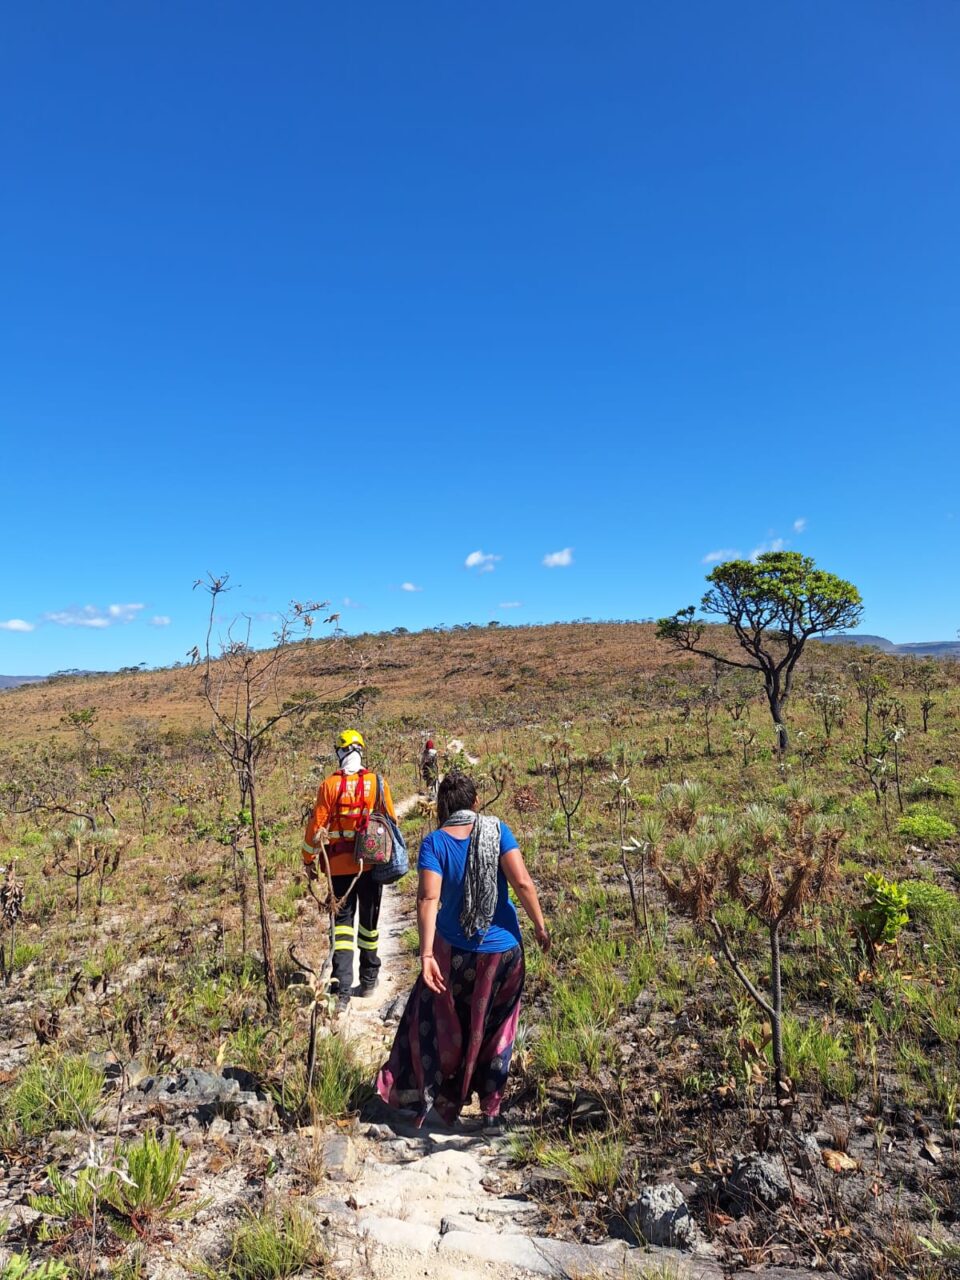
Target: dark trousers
(364, 898)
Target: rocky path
(444, 1202)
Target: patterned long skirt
(452, 1045)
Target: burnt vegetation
(756, 941)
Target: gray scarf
(483, 862)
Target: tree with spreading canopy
(774, 604)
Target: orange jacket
(339, 805)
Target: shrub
(936, 782)
(58, 1093)
(927, 900)
(925, 826)
(884, 913)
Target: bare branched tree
(241, 686)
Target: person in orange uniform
(342, 801)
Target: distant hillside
(921, 649)
(11, 682)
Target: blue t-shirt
(440, 852)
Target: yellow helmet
(351, 738)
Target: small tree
(242, 690)
(927, 677)
(774, 605)
(81, 851)
(567, 769)
(771, 864)
(11, 909)
(825, 695)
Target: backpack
(373, 843)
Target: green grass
(591, 1165)
(54, 1093)
(341, 1080)
(130, 1191)
(276, 1244)
(816, 1054)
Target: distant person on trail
(429, 765)
(343, 799)
(457, 1031)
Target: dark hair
(456, 791)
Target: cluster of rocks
(661, 1215)
(231, 1096)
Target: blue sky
(335, 296)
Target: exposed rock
(189, 1086)
(219, 1128)
(340, 1160)
(259, 1113)
(382, 1132)
(661, 1216)
(207, 1095)
(396, 1233)
(392, 1011)
(757, 1180)
(808, 1153)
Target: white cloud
(775, 544)
(800, 524)
(510, 604)
(16, 624)
(160, 620)
(348, 603)
(481, 561)
(90, 615)
(124, 612)
(409, 586)
(558, 559)
(717, 557)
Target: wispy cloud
(160, 620)
(16, 624)
(723, 553)
(351, 604)
(90, 615)
(410, 586)
(800, 524)
(775, 544)
(510, 604)
(481, 561)
(558, 559)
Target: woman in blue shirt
(457, 1031)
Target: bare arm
(520, 881)
(428, 900)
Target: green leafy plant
(925, 826)
(20, 1267)
(884, 913)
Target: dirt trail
(443, 1202)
